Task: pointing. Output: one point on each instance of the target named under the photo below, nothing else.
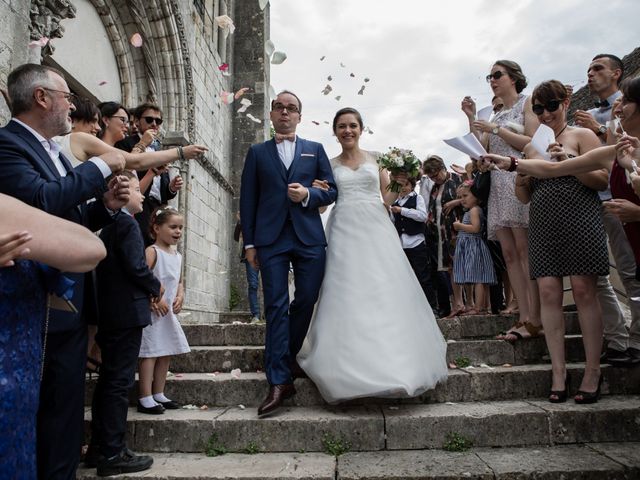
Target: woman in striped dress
(472, 262)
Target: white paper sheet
(469, 144)
(541, 140)
(485, 113)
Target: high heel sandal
(93, 366)
(588, 397)
(560, 396)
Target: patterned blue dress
(472, 262)
(22, 314)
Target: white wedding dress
(373, 333)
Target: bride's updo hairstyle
(344, 111)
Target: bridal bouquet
(399, 160)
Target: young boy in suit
(127, 289)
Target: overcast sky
(423, 56)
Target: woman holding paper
(566, 238)
(508, 219)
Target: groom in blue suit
(281, 226)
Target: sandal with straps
(503, 334)
(532, 332)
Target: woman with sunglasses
(114, 122)
(507, 219)
(619, 161)
(566, 238)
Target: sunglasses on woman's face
(495, 75)
(550, 106)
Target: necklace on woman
(563, 128)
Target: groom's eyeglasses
(278, 107)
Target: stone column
(250, 69)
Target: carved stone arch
(160, 70)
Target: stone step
(464, 327)
(593, 461)
(463, 385)
(386, 427)
(208, 359)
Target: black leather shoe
(125, 462)
(170, 405)
(155, 410)
(634, 354)
(92, 456)
(619, 358)
(277, 394)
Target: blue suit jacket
(264, 204)
(125, 282)
(28, 174)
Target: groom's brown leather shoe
(277, 394)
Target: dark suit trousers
(62, 404)
(419, 259)
(120, 349)
(287, 324)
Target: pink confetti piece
(41, 42)
(136, 40)
(204, 407)
(241, 92)
(226, 97)
(103, 82)
(224, 67)
(179, 375)
(225, 22)
(236, 372)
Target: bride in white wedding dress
(373, 333)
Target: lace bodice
(360, 184)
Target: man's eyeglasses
(550, 106)
(69, 96)
(124, 120)
(152, 120)
(496, 75)
(278, 107)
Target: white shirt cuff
(305, 202)
(102, 165)
(247, 247)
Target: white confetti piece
(484, 365)
(246, 103)
(394, 408)
(253, 119)
(506, 365)
(241, 407)
(41, 42)
(449, 403)
(269, 48)
(263, 4)
(361, 91)
(327, 90)
(136, 40)
(278, 58)
(190, 407)
(450, 340)
(236, 372)
(226, 23)
(211, 374)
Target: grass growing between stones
(234, 297)
(214, 448)
(335, 446)
(462, 362)
(457, 443)
(251, 448)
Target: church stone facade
(176, 67)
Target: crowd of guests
(497, 235)
(70, 164)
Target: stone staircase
(498, 404)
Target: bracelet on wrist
(514, 164)
(181, 153)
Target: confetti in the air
(246, 103)
(361, 91)
(326, 122)
(323, 57)
(278, 58)
(368, 130)
(241, 92)
(327, 90)
(103, 82)
(315, 123)
(329, 78)
(136, 40)
(366, 79)
(226, 97)
(263, 4)
(269, 48)
(352, 75)
(342, 65)
(41, 42)
(225, 23)
(338, 97)
(253, 119)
